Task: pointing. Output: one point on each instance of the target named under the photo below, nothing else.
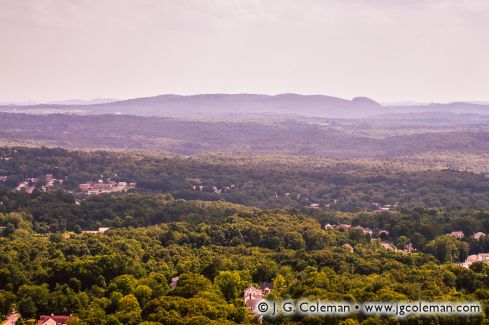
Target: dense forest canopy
(338, 185)
(344, 139)
(251, 222)
(123, 276)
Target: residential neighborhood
(43, 319)
(460, 235)
(31, 183)
(364, 230)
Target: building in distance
(100, 187)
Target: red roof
(59, 319)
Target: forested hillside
(315, 137)
(323, 229)
(346, 186)
(123, 276)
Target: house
(478, 235)
(99, 187)
(84, 187)
(3, 178)
(54, 320)
(49, 179)
(365, 231)
(343, 226)
(251, 297)
(100, 230)
(102, 186)
(174, 282)
(266, 287)
(252, 293)
(22, 185)
(328, 226)
(388, 247)
(314, 205)
(348, 246)
(409, 248)
(469, 260)
(483, 257)
(457, 234)
(28, 185)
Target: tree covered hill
(241, 229)
(227, 105)
(123, 275)
(345, 186)
(329, 138)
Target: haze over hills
(311, 125)
(83, 101)
(339, 138)
(63, 102)
(226, 105)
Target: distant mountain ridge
(232, 104)
(212, 105)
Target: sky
(388, 50)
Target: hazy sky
(389, 50)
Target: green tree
(190, 284)
(33, 299)
(129, 311)
(128, 304)
(447, 249)
(229, 282)
(279, 285)
(143, 294)
(6, 302)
